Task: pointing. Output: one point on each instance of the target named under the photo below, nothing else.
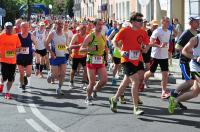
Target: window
(194, 6)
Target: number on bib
(24, 50)
(134, 54)
(97, 60)
(10, 54)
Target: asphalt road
(40, 109)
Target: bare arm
(188, 49)
(34, 40)
(84, 46)
(73, 41)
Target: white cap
(8, 24)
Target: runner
(95, 45)
(9, 44)
(25, 55)
(160, 42)
(191, 51)
(131, 41)
(115, 53)
(78, 57)
(184, 61)
(41, 51)
(57, 50)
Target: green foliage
(60, 7)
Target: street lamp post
(50, 7)
(29, 10)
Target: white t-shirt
(164, 37)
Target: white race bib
(60, 50)
(24, 50)
(97, 60)
(134, 54)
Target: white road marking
(45, 120)
(21, 109)
(35, 125)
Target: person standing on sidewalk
(191, 51)
(95, 46)
(160, 41)
(9, 44)
(131, 42)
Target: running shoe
(165, 95)
(84, 86)
(172, 105)
(59, 91)
(71, 85)
(49, 77)
(114, 82)
(8, 96)
(113, 104)
(88, 101)
(122, 99)
(181, 106)
(137, 111)
(23, 87)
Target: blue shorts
(58, 61)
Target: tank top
(40, 38)
(26, 47)
(58, 44)
(96, 57)
(75, 52)
(195, 66)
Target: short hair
(164, 18)
(134, 16)
(96, 21)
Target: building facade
(152, 9)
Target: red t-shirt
(132, 41)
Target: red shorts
(95, 66)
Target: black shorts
(162, 62)
(195, 75)
(147, 56)
(140, 66)
(41, 52)
(25, 61)
(129, 68)
(116, 60)
(8, 71)
(185, 70)
(76, 61)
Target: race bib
(134, 54)
(24, 50)
(60, 50)
(97, 60)
(61, 47)
(10, 54)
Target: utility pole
(29, 10)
